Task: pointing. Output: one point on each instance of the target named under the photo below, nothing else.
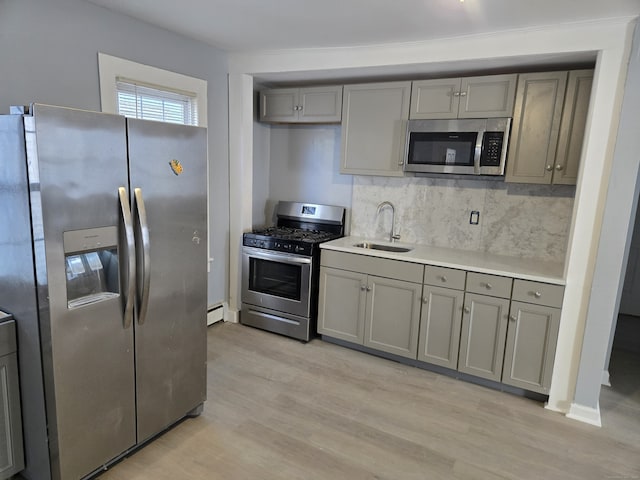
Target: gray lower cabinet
(11, 448)
(488, 326)
(341, 304)
(532, 335)
(370, 301)
(441, 316)
(392, 316)
(484, 331)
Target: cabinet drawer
(444, 277)
(492, 285)
(370, 265)
(538, 293)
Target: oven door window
(279, 279)
(447, 148)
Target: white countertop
(516, 267)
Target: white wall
(613, 250)
(609, 38)
(49, 54)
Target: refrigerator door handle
(146, 272)
(131, 259)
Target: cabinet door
(279, 105)
(487, 96)
(374, 124)
(320, 105)
(484, 331)
(440, 322)
(574, 119)
(393, 316)
(435, 99)
(341, 304)
(536, 123)
(531, 346)
(11, 448)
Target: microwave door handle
(131, 256)
(146, 259)
(478, 152)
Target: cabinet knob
(488, 286)
(368, 288)
(466, 310)
(512, 318)
(549, 168)
(463, 94)
(443, 278)
(425, 300)
(559, 167)
(537, 294)
(456, 94)
(401, 162)
(363, 288)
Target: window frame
(113, 68)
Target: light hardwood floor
(281, 409)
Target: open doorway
(620, 398)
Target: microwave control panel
(491, 149)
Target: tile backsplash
(523, 220)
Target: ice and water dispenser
(91, 263)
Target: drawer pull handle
(443, 278)
(537, 294)
(488, 285)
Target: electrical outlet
(474, 218)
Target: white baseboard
(233, 316)
(560, 407)
(585, 414)
(606, 380)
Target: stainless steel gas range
(280, 268)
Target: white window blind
(151, 102)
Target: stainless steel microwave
(474, 146)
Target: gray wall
(48, 54)
(613, 248)
(305, 165)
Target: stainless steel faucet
(392, 235)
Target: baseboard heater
(215, 313)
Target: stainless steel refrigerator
(103, 257)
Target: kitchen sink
(379, 246)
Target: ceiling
(259, 25)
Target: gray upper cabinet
(301, 105)
(548, 127)
(572, 127)
(532, 335)
(468, 97)
(535, 128)
(374, 123)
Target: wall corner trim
(585, 414)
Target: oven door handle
(276, 257)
